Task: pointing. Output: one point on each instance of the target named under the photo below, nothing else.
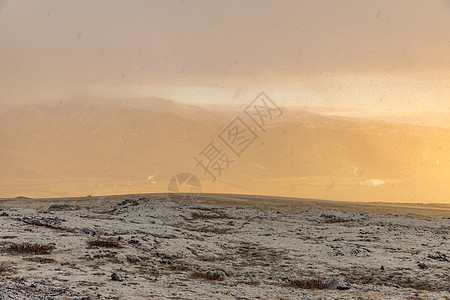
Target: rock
(4, 214)
(339, 284)
(128, 202)
(422, 266)
(87, 257)
(87, 231)
(116, 276)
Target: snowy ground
(174, 250)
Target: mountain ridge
(107, 146)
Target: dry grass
(39, 224)
(179, 267)
(28, 248)
(397, 277)
(250, 254)
(4, 269)
(104, 244)
(203, 216)
(206, 275)
(70, 265)
(309, 284)
(41, 260)
(327, 218)
(208, 214)
(19, 279)
(248, 282)
(133, 259)
(212, 229)
(149, 272)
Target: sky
(381, 55)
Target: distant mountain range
(106, 146)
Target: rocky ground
(145, 248)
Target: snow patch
(373, 182)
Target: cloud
(55, 46)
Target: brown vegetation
(4, 269)
(39, 224)
(104, 244)
(397, 278)
(179, 267)
(208, 216)
(310, 284)
(28, 248)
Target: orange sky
(385, 55)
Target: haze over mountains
(108, 146)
